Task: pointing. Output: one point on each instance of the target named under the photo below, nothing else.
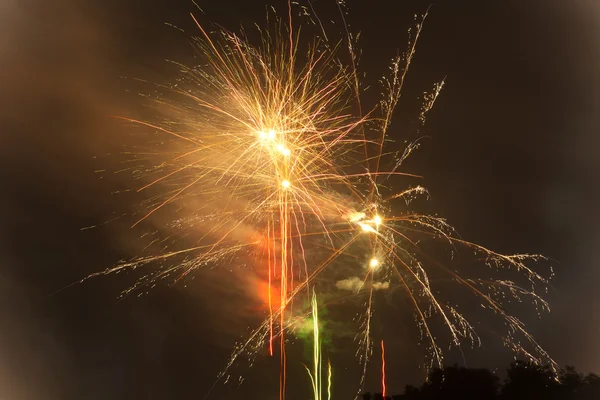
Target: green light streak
(316, 374)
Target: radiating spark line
(383, 387)
(329, 374)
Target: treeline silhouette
(524, 381)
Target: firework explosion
(269, 160)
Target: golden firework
(268, 156)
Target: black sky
(510, 159)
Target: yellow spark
(285, 184)
(283, 150)
(377, 219)
(356, 216)
(374, 263)
(366, 227)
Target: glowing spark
(356, 216)
(283, 150)
(377, 220)
(366, 227)
(285, 184)
(374, 263)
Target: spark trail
(317, 372)
(383, 387)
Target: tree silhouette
(524, 380)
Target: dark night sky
(510, 160)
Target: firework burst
(268, 160)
